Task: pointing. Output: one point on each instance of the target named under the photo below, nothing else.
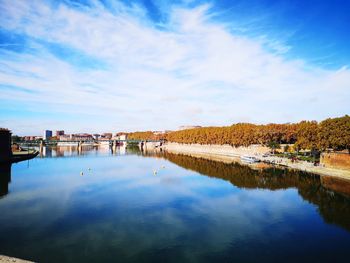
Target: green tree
(286, 148)
(273, 145)
(16, 138)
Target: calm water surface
(190, 210)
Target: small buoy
(163, 166)
(154, 172)
(89, 169)
(81, 173)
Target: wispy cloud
(118, 65)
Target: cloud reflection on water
(122, 210)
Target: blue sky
(152, 65)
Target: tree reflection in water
(332, 206)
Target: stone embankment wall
(336, 160)
(223, 150)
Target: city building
(96, 136)
(59, 133)
(76, 137)
(82, 137)
(47, 135)
(30, 138)
(106, 135)
(121, 136)
(65, 137)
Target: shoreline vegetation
(295, 145)
(332, 133)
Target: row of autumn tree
(331, 133)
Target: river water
(99, 206)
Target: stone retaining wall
(224, 150)
(336, 160)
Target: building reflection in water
(5, 178)
(46, 152)
(119, 150)
(71, 151)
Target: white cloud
(191, 69)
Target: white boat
(250, 159)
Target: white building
(121, 136)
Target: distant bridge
(55, 142)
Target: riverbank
(227, 152)
(5, 259)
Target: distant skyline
(100, 66)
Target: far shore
(228, 153)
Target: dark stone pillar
(5, 145)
